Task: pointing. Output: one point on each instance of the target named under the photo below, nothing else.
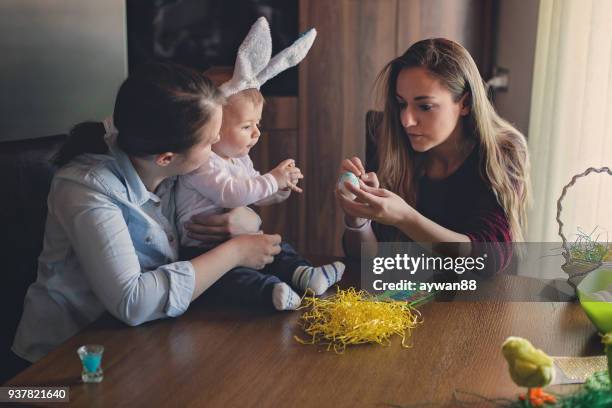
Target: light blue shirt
(110, 245)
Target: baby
(228, 180)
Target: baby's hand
(287, 175)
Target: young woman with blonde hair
(451, 169)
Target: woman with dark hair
(110, 240)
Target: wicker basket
(577, 269)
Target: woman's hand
(377, 204)
(256, 251)
(355, 166)
(220, 227)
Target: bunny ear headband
(253, 64)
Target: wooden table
(217, 356)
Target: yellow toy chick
(529, 367)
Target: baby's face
(240, 128)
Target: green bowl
(600, 312)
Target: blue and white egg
(351, 178)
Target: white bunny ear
(253, 56)
(288, 57)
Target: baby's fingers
(287, 163)
(294, 187)
(295, 175)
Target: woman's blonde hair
(503, 149)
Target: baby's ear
(288, 57)
(253, 56)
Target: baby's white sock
(284, 298)
(317, 278)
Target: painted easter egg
(351, 178)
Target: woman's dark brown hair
(160, 108)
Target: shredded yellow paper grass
(356, 317)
